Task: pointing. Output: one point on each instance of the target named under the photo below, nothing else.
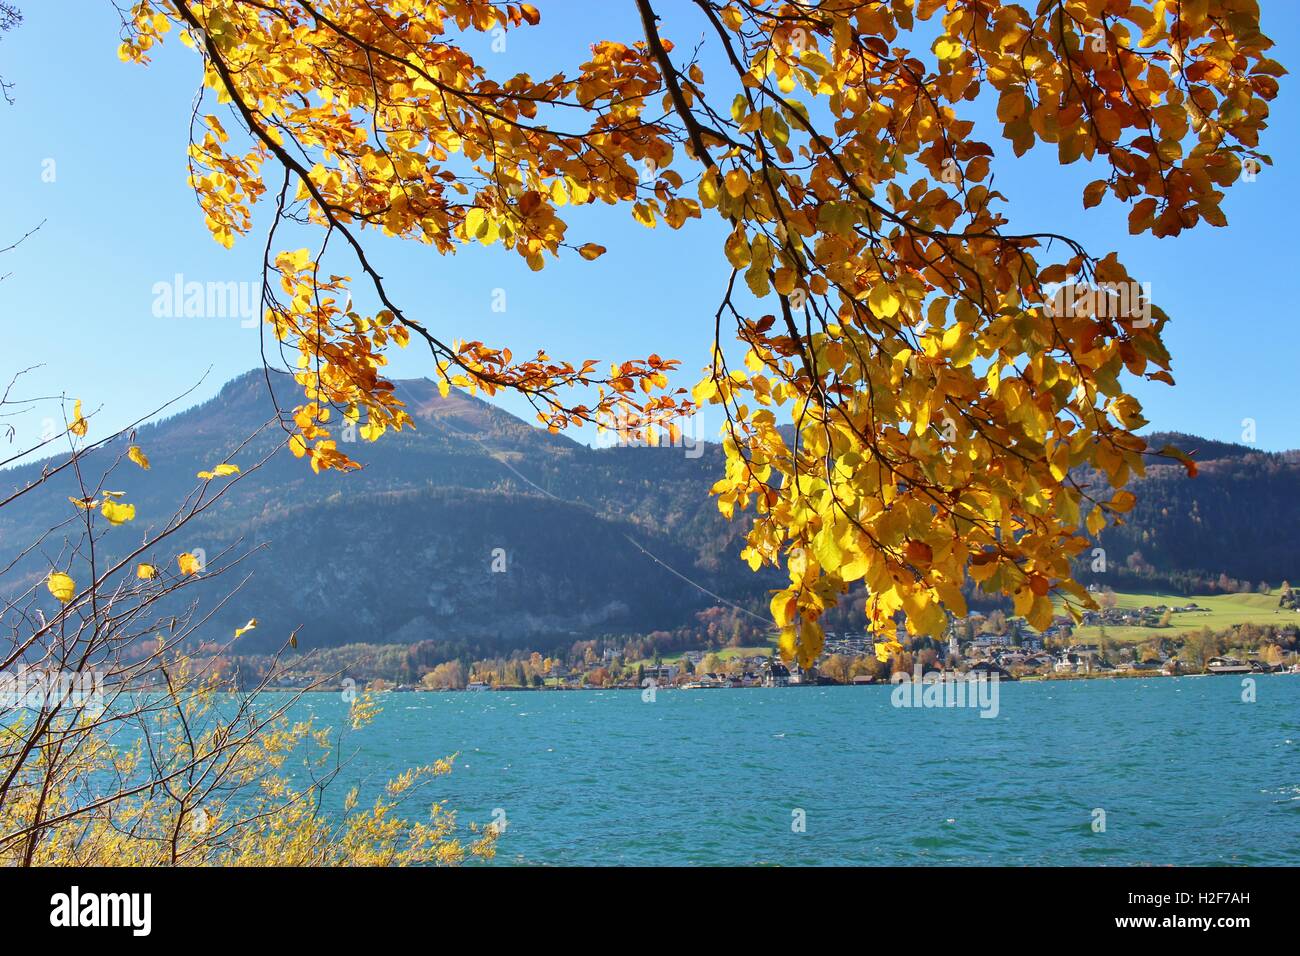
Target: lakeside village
(977, 646)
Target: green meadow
(1218, 612)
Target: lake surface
(1185, 771)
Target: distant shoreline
(1031, 679)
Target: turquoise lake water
(1185, 771)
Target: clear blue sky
(119, 218)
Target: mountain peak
(1202, 449)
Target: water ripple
(1182, 771)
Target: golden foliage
(118, 749)
(196, 789)
(944, 394)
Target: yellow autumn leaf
(476, 223)
(924, 615)
(1123, 501)
(787, 643)
(220, 471)
(78, 426)
(737, 248)
(1023, 601)
(952, 599)
(189, 564)
(883, 301)
(983, 568)
(709, 189)
(61, 586)
(138, 456)
(146, 572)
(1040, 614)
(947, 49)
(784, 604)
(810, 643)
(240, 631)
(887, 649)
(703, 391)
(591, 251)
(117, 513)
